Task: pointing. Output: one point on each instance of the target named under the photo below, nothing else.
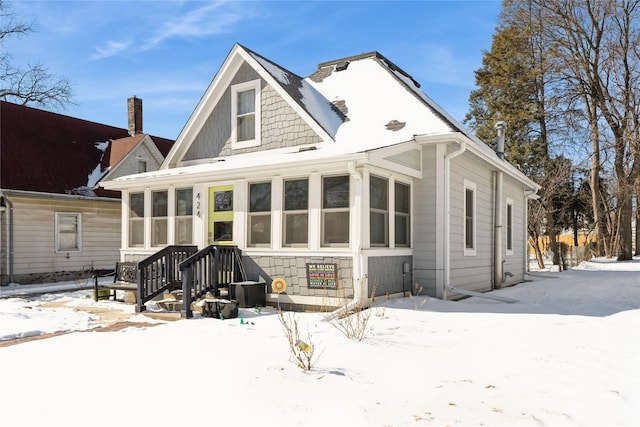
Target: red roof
(49, 152)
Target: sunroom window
(296, 212)
(184, 216)
(335, 210)
(402, 214)
(136, 219)
(378, 211)
(159, 218)
(259, 221)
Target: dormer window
(245, 112)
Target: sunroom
(334, 226)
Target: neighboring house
(55, 224)
(351, 174)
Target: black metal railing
(161, 272)
(209, 269)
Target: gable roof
(357, 105)
(48, 152)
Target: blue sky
(167, 52)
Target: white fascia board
(200, 173)
(473, 146)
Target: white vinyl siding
(35, 235)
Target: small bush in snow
(302, 351)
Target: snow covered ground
(566, 354)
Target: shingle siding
(281, 125)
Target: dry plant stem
(354, 323)
(304, 359)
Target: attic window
(245, 114)
(395, 125)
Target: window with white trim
(402, 214)
(68, 232)
(136, 219)
(245, 114)
(335, 210)
(159, 223)
(509, 227)
(259, 216)
(184, 216)
(378, 211)
(469, 218)
(295, 215)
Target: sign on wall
(322, 276)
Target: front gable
(281, 115)
(215, 138)
(144, 150)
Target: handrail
(207, 270)
(160, 272)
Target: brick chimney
(134, 109)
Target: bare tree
(596, 44)
(33, 85)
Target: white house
(343, 182)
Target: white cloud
(204, 21)
(111, 49)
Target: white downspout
(447, 216)
(359, 280)
(498, 269)
(10, 236)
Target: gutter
(359, 279)
(10, 228)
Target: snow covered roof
(357, 105)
